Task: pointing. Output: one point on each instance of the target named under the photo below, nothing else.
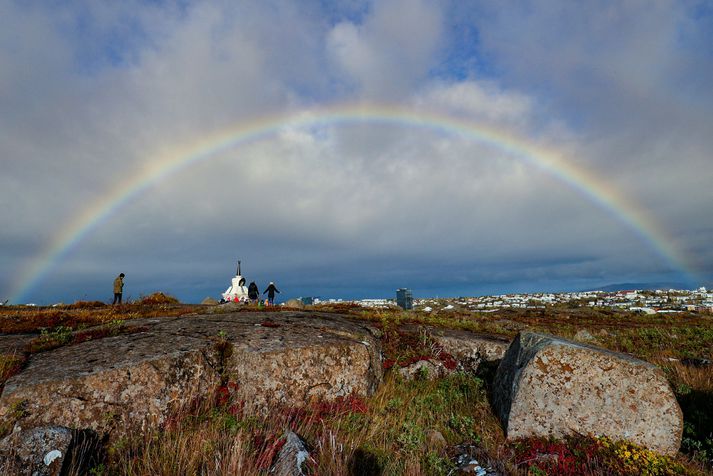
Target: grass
(10, 364)
(390, 433)
(29, 320)
(60, 336)
(384, 434)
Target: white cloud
(392, 50)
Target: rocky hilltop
(117, 386)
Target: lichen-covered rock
(114, 384)
(467, 349)
(470, 349)
(118, 384)
(36, 452)
(550, 386)
(295, 358)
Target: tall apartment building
(404, 298)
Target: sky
(345, 149)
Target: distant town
(644, 301)
(659, 301)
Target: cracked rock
(548, 386)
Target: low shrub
(158, 298)
(87, 305)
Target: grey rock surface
(583, 335)
(470, 349)
(15, 343)
(551, 386)
(40, 451)
(118, 384)
(292, 457)
(424, 369)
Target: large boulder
(49, 451)
(467, 349)
(40, 451)
(547, 386)
(118, 384)
(115, 384)
(294, 358)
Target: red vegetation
(268, 447)
(571, 457)
(86, 305)
(341, 406)
(224, 393)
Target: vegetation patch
(31, 320)
(157, 298)
(382, 434)
(60, 336)
(10, 364)
(578, 455)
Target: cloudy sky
(452, 147)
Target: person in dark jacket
(253, 292)
(118, 288)
(271, 290)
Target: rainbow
(168, 163)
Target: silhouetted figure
(118, 288)
(253, 292)
(271, 290)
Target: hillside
(232, 380)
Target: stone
(469, 459)
(294, 303)
(15, 344)
(307, 357)
(435, 441)
(209, 301)
(424, 369)
(116, 384)
(48, 451)
(292, 457)
(470, 349)
(583, 335)
(119, 384)
(549, 386)
(225, 308)
(696, 362)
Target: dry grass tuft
(10, 364)
(157, 298)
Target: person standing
(118, 288)
(271, 290)
(253, 292)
